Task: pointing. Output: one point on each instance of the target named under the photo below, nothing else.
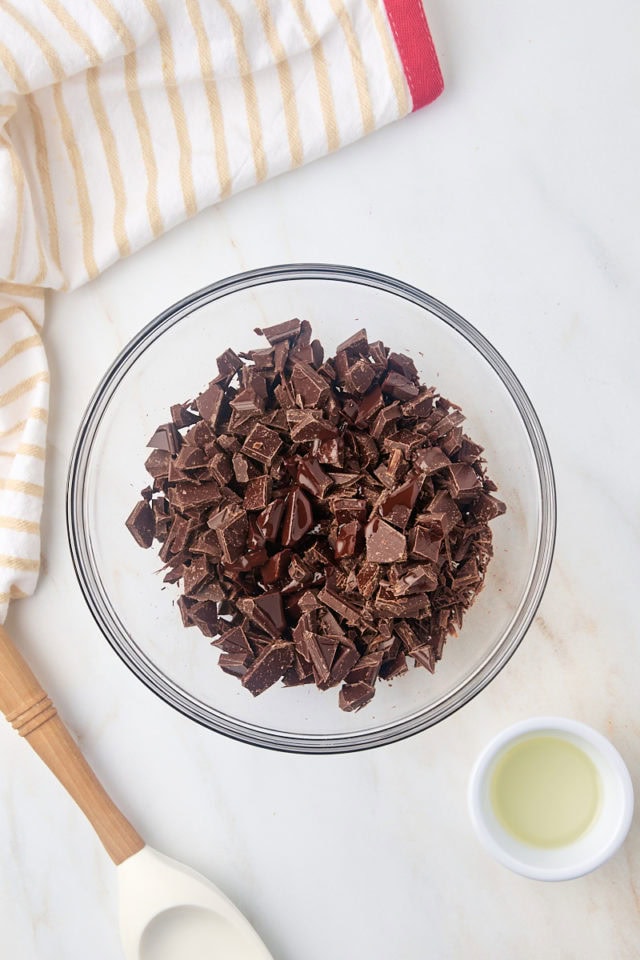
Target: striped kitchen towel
(120, 118)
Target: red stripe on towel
(415, 46)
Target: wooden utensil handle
(29, 710)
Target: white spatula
(167, 910)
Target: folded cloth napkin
(121, 118)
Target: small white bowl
(600, 841)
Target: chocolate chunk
(386, 417)
(209, 403)
(228, 363)
(370, 405)
(425, 542)
(195, 574)
(167, 438)
(384, 543)
(347, 538)
(354, 696)
(404, 440)
(257, 493)
(444, 509)
(268, 521)
(331, 452)
(397, 386)
(266, 612)
(220, 468)
(247, 403)
(321, 652)
(431, 460)
(186, 495)
(311, 390)
(234, 640)
(262, 444)
(404, 365)
(368, 577)
(415, 579)
(487, 508)
(182, 415)
(233, 663)
(395, 667)
(356, 344)
(398, 505)
(277, 568)
(366, 669)
(268, 668)
(420, 406)
(360, 377)
(243, 469)
(157, 463)
(141, 524)
(343, 606)
(425, 656)
(348, 508)
(288, 330)
(190, 458)
(310, 425)
(298, 518)
(312, 478)
(465, 482)
(231, 527)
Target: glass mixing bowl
(172, 359)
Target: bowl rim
(143, 668)
(579, 865)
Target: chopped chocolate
(326, 519)
(288, 330)
(298, 518)
(431, 460)
(266, 612)
(276, 568)
(182, 415)
(356, 344)
(157, 463)
(398, 505)
(209, 403)
(231, 527)
(311, 390)
(347, 538)
(366, 669)
(397, 386)
(268, 522)
(360, 377)
(262, 444)
(271, 664)
(166, 438)
(404, 365)
(141, 524)
(233, 663)
(228, 363)
(257, 493)
(425, 541)
(465, 482)
(354, 696)
(385, 544)
(371, 403)
(243, 469)
(312, 478)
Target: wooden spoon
(167, 911)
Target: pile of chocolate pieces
(327, 518)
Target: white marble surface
(515, 199)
